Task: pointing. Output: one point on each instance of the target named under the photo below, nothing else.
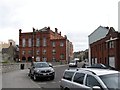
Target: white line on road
(48, 82)
(59, 65)
(35, 83)
(53, 82)
(41, 83)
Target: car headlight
(52, 70)
(37, 71)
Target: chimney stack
(65, 36)
(107, 27)
(56, 30)
(48, 28)
(20, 30)
(60, 33)
(33, 29)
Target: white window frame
(23, 42)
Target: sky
(75, 18)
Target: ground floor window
(23, 58)
(44, 59)
(112, 61)
(37, 58)
(29, 59)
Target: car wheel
(66, 89)
(52, 77)
(34, 78)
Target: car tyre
(66, 89)
(52, 77)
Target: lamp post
(32, 58)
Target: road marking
(41, 83)
(34, 83)
(47, 83)
(53, 82)
(59, 65)
(59, 81)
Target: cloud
(74, 18)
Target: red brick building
(105, 47)
(44, 45)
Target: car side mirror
(96, 88)
(50, 65)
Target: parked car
(73, 63)
(41, 70)
(101, 66)
(90, 79)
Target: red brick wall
(102, 53)
(50, 37)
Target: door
(91, 81)
(112, 61)
(78, 81)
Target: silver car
(41, 70)
(90, 79)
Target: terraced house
(104, 47)
(44, 45)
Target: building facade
(11, 53)
(44, 45)
(3, 45)
(6, 45)
(82, 55)
(104, 47)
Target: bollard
(22, 66)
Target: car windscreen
(72, 61)
(41, 65)
(112, 81)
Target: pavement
(19, 79)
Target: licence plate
(44, 74)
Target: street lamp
(32, 58)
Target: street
(20, 79)
(54, 83)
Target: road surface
(20, 79)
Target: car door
(78, 81)
(66, 81)
(91, 81)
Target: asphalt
(20, 79)
(17, 79)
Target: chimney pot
(60, 33)
(20, 30)
(107, 27)
(48, 28)
(65, 36)
(33, 29)
(56, 30)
